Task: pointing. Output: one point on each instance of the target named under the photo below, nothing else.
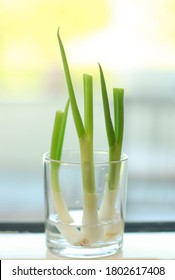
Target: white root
(108, 213)
(91, 229)
(70, 233)
(107, 209)
(93, 222)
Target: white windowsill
(136, 246)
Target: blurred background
(134, 42)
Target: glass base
(77, 246)
(99, 250)
(85, 253)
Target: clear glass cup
(80, 221)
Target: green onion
(115, 139)
(71, 234)
(57, 144)
(115, 136)
(90, 232)
(85, 135)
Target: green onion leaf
(76, 114)
(88, 105)
(58, 133)
(108, 121)
(118, 95)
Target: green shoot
(88, 105)
(72, 235)
(108, 121)
(115, 135)
(75, 111)
(115, 139)
(57, 143)
(85, 135)
(118, 94)
(86, 142)
(58, 133)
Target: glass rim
(46, 158)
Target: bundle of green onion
(91, 214)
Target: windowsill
(136, 246)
